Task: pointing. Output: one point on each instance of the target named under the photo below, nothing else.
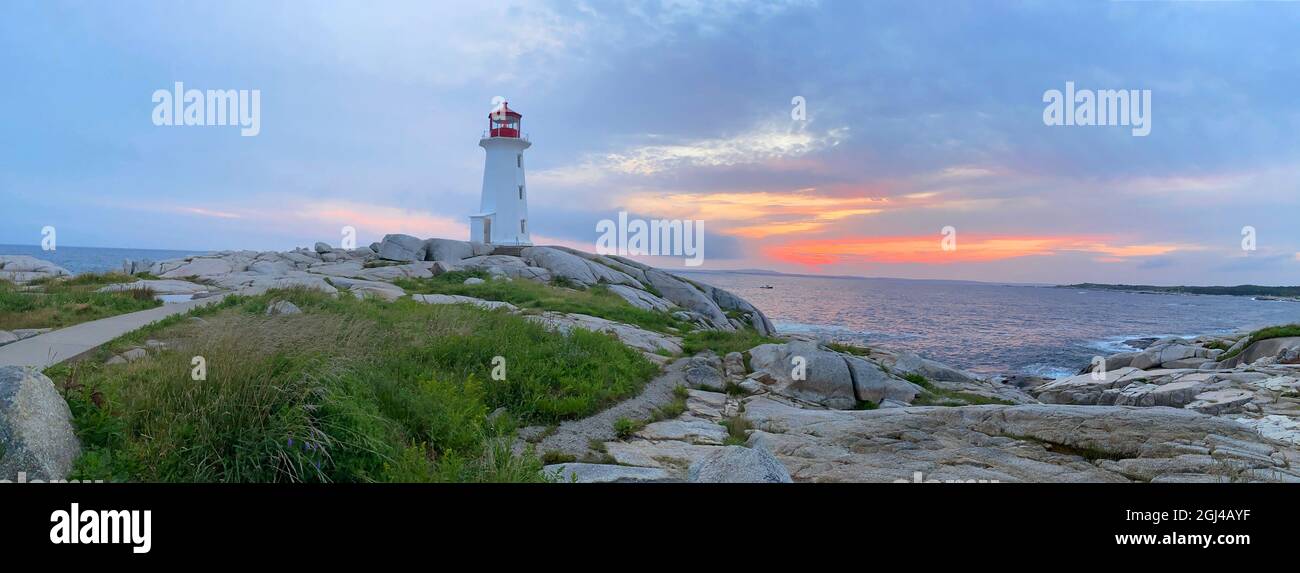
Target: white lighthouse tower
(503, 210)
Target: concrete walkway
(54, 347)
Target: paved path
(54, 347)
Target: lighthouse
(502, 218)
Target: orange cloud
(928, 249)
(780, 213)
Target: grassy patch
(723, 342)
(1265, 334)
(596, 301)
(933, 395)
(849, 349)
(56, 303)
(351, 390)
(738, 428)
(624, 428)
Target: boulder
(323, 248)
(363, 288)
(734, 365)
(736, 464)
(904, 362)
(282, 307)
(398, 247)
(474, 281)
(204, 267)
(575, 268)
(826, 376)
(453, 251)
(22, 269)
(873, 384)
(36, 433)
(705, 372)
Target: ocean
(981, 327)
(92, 259)
(991, 328)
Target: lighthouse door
(487, 231)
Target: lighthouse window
(523, 225)
(521, 192)
(519, 160)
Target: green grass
(738, 428)
(723, 342)
(596, 301)
(933, 395)
(350, 390)
(624, 428)
(849, 349)
(57, 303)
(1265, 334)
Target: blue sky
(919, 116)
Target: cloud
(758, 214)
(928, 249)
(757, 145)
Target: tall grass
(350, 390)
(56, 303)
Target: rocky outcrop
(1032, 443)
(579, 270)
(1281, 350)
(36, 434)
(638, 338)
(371, 271)
(22, 269)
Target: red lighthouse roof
(503, 121)
(503, 111)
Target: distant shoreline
(1281, 293)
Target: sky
(916, 117)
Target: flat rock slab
(1025, 443)
(666, 454)
(691, 430)
(606, 473)
(458, 299)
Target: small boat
(766, 286)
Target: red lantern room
(504, 122)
